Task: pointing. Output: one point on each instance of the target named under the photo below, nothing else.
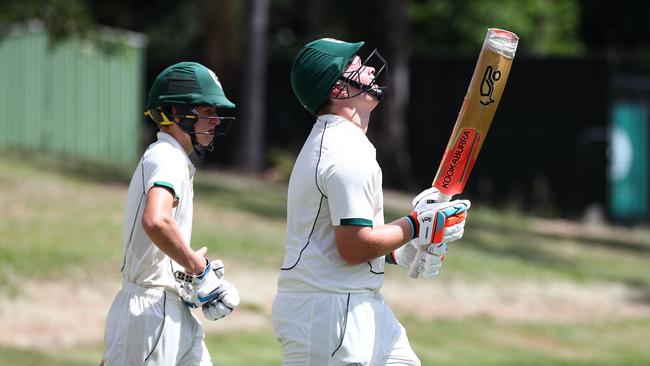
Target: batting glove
(204, 288)
(431, 262)
(429, 194)
(436, 222)
(227, 301)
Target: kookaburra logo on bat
(487, 85)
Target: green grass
(244, 349)
(74, 219)
(481, 341)
(25, 357)
(472, 341)
(63, 219)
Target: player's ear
(174, 111)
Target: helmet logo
(333, 40)
(215, 78)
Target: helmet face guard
(376, 86)
(188, 116)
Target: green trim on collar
(356, 222)
(168, 186)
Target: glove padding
(196, 291)
(429, 194)
(438, 222)
(227, 301)
(430, 263)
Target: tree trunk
(388, 32)
(217, 47)
(253, 93)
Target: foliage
(618, 26)
(545, 27)
(61, 18)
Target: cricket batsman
(149, 322)
(328, 309)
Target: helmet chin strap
(187, 125)
(210, 147)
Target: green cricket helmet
(187, 83)
(324, 62)
(317, 67)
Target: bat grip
(414, 270)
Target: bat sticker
(487, 84)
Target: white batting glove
(204, 288)
(227, 301)
(436, 222)
(429, 194)
(431, 262)
(218, 267)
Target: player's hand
(227, 301)
(430, 263)
(438, 222)
(429, 194)
(204, 288)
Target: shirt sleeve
(349, 188)
(167, 173)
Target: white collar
(164, 136)
(335, 119)
(331, 118)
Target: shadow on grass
(528, 247)
(251, 197)
(634, 246)
(245, 198)
(631, 245)
(643, 290)
(519, 249)
(72, 166)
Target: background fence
(72, 97)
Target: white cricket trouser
(324, 328)
(152, 327)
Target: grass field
(516, 291)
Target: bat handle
(414, 270)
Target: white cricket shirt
(335, 181)
(165, 164)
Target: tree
(216, 43)
(388, 31)
(449, 27)
(251, 148)
(60, 18)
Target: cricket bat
(475, 117)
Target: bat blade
(458, 161)
(475, 117)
